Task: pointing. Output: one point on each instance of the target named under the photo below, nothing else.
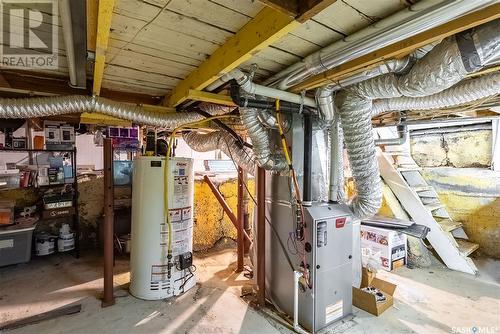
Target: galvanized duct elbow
(59, 105)
(326, 106)
(260, 141)
(465, 92)
(222, 140)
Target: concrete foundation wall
(472, 197)
(453, 149)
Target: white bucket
(66, 242)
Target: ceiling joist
(105, 13)
(301, 10)
(199, 95)
(268, 26)
(401, 48)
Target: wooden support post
(246, 215)
(240, 213)
(108, 297)
(224, 205)
(261, 237)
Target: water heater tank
(152, 275)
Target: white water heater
(153, 275)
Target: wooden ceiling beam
(19, 83)
(199, 95)
(104, 15)
(268, 26)
(403, 47)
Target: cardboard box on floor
(367, 301)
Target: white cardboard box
(389, 246)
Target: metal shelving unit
(75, 215)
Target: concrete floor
(433, 300)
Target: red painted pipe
(108, 298)
(241, 214)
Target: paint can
(45, 244)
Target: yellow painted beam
(199, 95)
(101, 119)
(265, 28)
(103, 27)
(403, 47)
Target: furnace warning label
(334, 311)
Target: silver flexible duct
(445, 65)
(465, 92)
(215, 109)
(389, 66)
(324, 95)
(354, 105)
(59, 105)
(260, 141)
(417, 18)
(222, 140)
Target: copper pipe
(224, 205)
(261, 236)
(241, 213)
(108, 299)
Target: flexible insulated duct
(324, 95)
(465, 92)
(222, 140)
(260, 141)
(60, 105)
(445, 65)
(354, 105)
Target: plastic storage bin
(15, 245)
